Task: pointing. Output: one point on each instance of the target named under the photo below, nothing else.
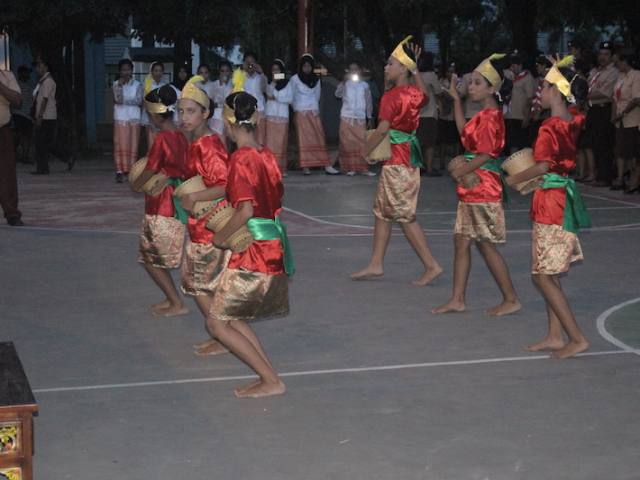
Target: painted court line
(608, 199)
(604, 333)
(369, 233)
(307, 373)
(453, 212)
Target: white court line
(604, 333)
(623, 202)
(453, 212)
(307, 373)
(433, 232)
(325, 222)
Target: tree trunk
(522, 22)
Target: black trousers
(46, 144)
(602, 137)
(8, 179)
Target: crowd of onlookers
(610, 143)
(608, 148)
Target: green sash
(397, 137)
(267, 229)
(493, 165)
(180, 213)
(576, 215)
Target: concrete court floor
(378, 388)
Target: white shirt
(219, 92)
(280, 106)
(129, 98)
(356, 99)
(305, 98)
(434, 89)
(255, 85)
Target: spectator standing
(600, 129)
(428, 128)
(256, 85)
(357, 107)
(127, 95)
(9, 96)
(46, 121)
(518, 114)
(448, 138)
(627, 120)
(22, 120)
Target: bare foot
(452, 306)
(210, 349)
(368, 273)
(156, 307)
(570, 349)
(172, 311)
(242, 390)
(546, 345)
(505, 308)
(261, 389)
(427, 277)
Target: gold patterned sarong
(396, 199)
(553, 249)
(246, 295)
(482, 222)
(161, 241)
(201, 268)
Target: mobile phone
(278, 76)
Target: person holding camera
(256, 85)
(356, 113)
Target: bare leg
(245, 330)
(554, 339)
(418, 241)
(500, 271)
(590, 174)
(381, 237)
(582, 163)
(428, 155)
(556, 299)
(211, 346)
(619, 171)
(173, 305)
(461, 269)
(241, 347)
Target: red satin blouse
(168, 155)
(207, 157)
(484, 133)
(254, 176)
(556, 144)
(401, 106)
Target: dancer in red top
(557, 210)
(399, 184)
(480, 216)
(207, 158)
(162, 235)
(255, 283)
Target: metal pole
(305, 27)
(345, 33)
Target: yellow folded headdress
(555, 77)
(487, 70)
(229, 112)
(159, 107)
(192, 92)
(400, 55)
(238, 79)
